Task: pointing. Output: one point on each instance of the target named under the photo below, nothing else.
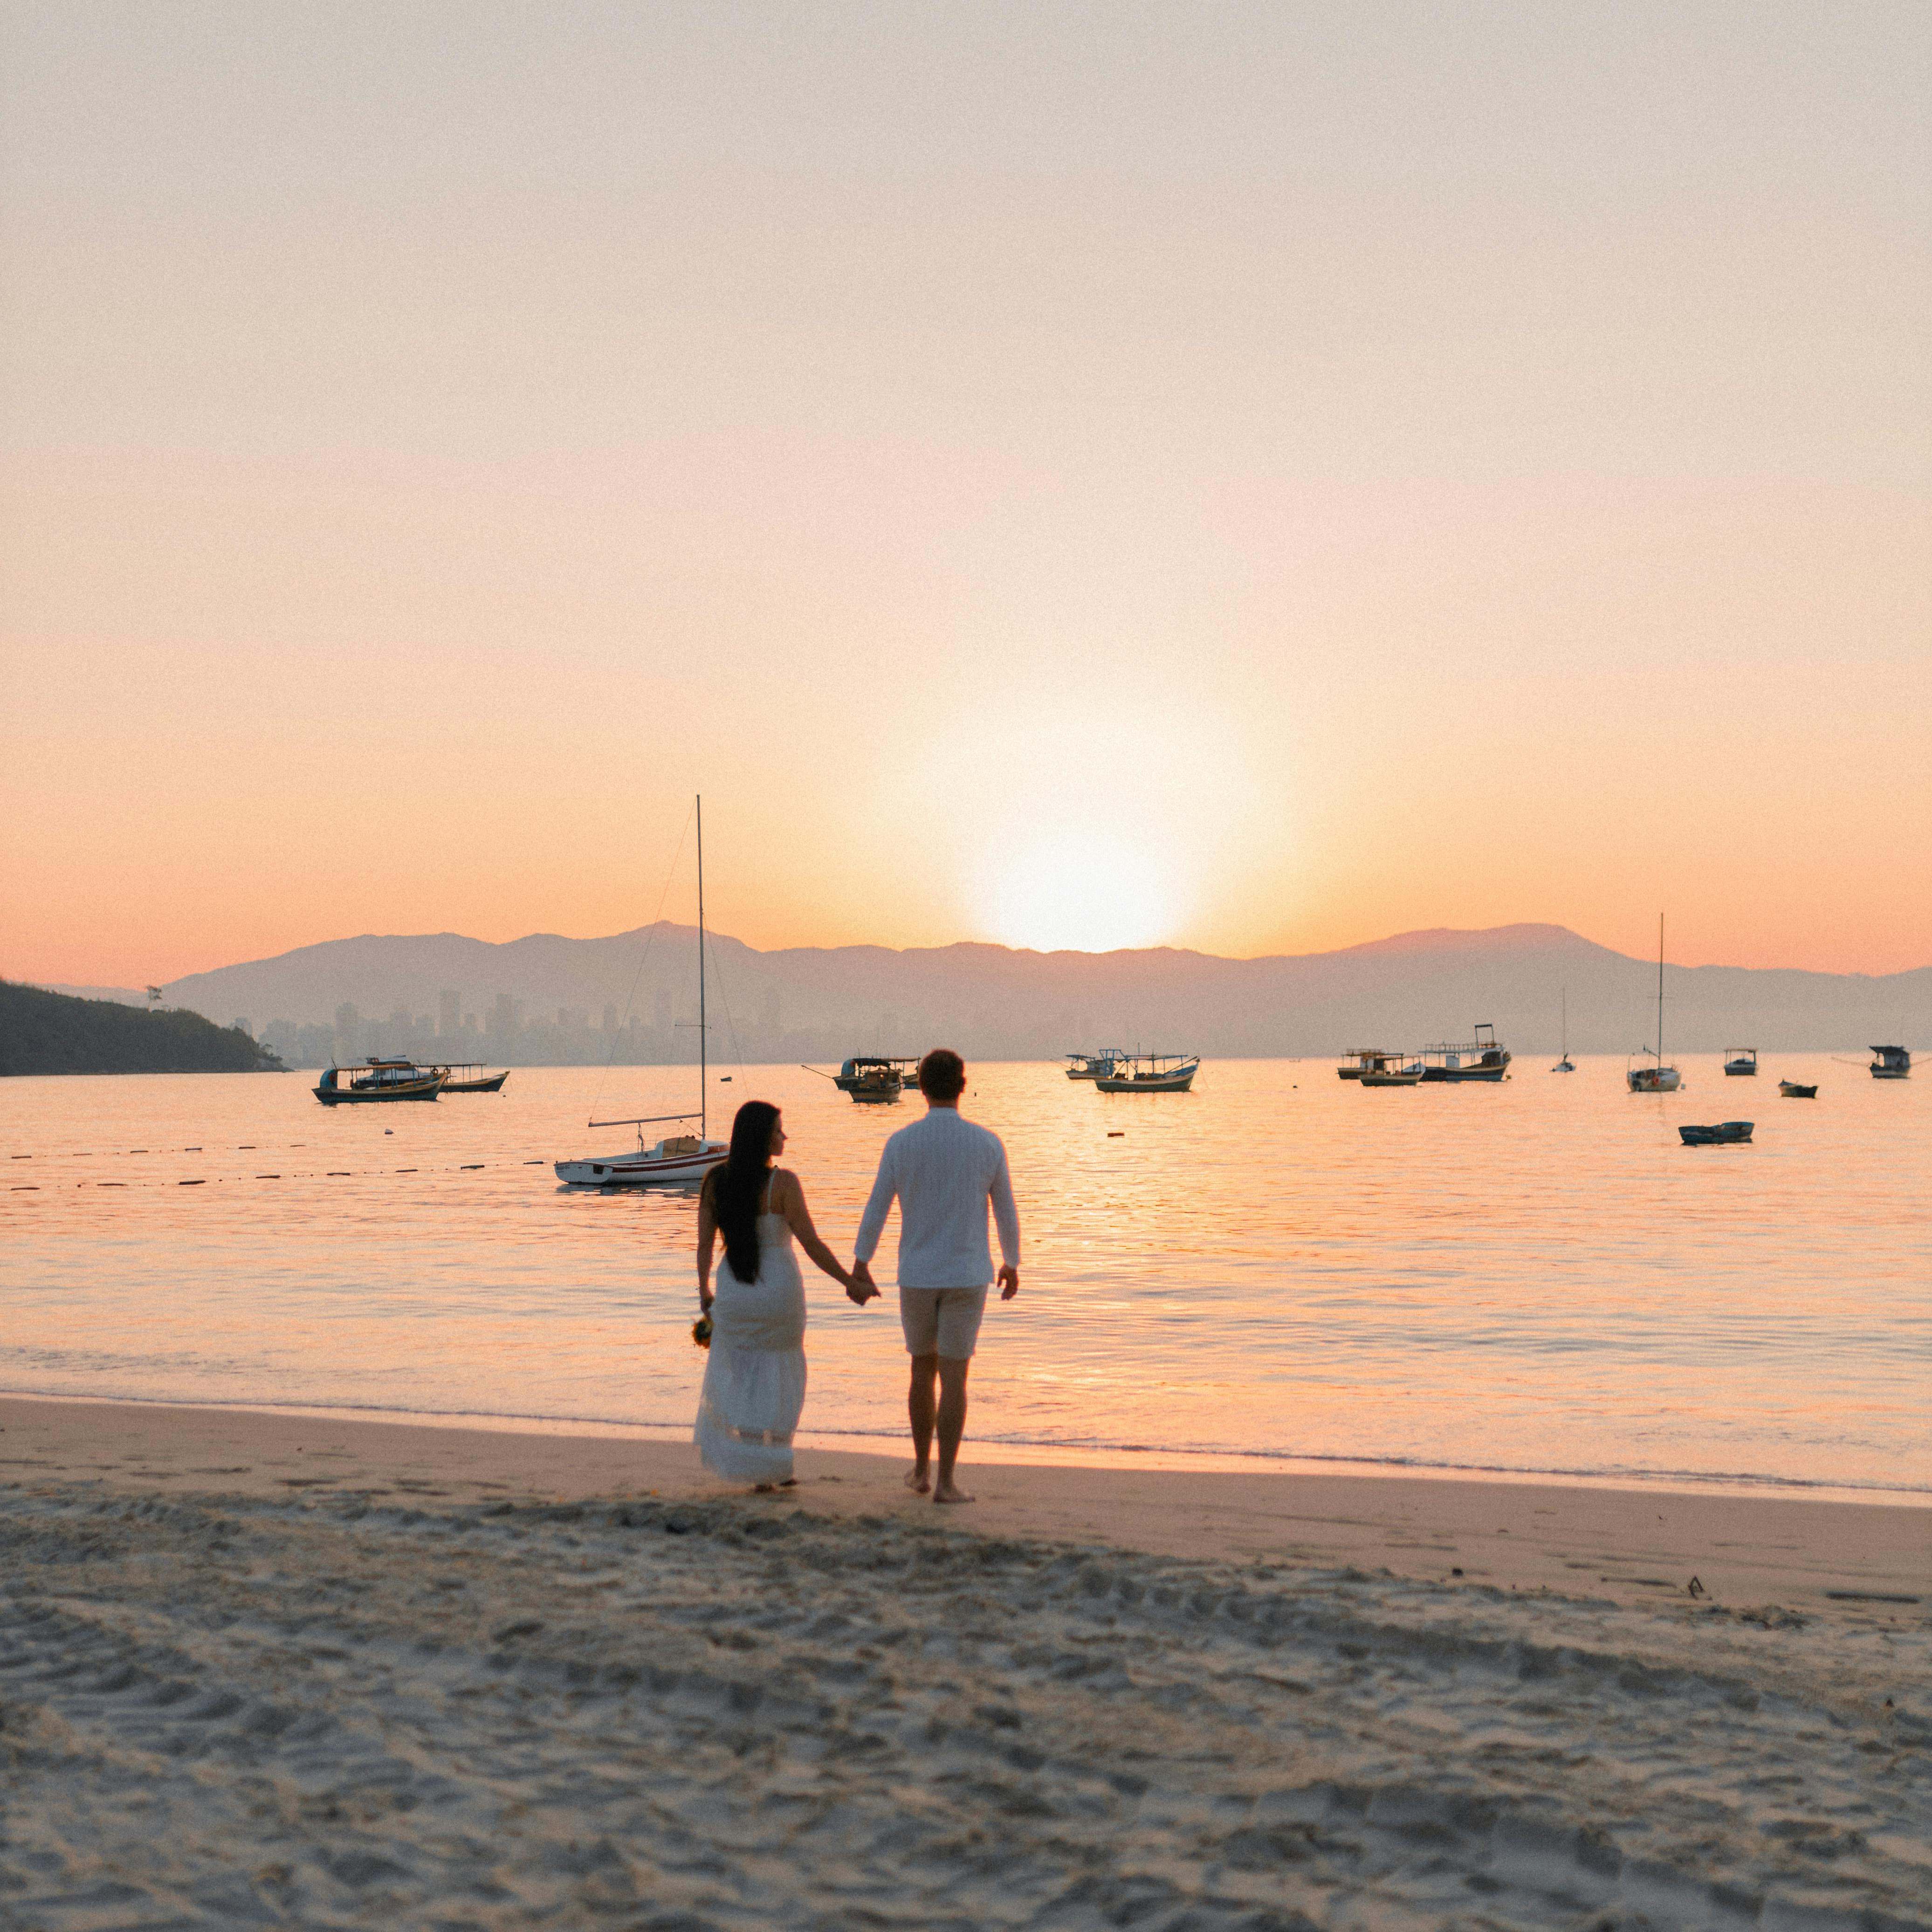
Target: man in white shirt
(943, 1172)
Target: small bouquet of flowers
(700, 1331)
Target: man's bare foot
(917, 1480)
(950, 1492)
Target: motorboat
(380, 1080)
(1893, 1063)
(1151, 1073)
(1726, 1133)
(1656, 1078)
(679, 1158)
(1479, 1059)
(1094, 1065)
(1740, 1060)
(1360, 1061)
(1792, 1091)
(1565, 1064)
(474, 1080)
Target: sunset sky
(1255, 477)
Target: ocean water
(1532, 1277)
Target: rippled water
(1533, 1277)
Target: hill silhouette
(53, 1033)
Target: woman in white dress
(754, 1388)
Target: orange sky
(1259, 481)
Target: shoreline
(1635, 1544)
(1026, 1454)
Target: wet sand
(280, 1669)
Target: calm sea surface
(1535, 1277)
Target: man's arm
(1006, 1219)
(872, 1222)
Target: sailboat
(1658, 1079)
(677, 1158)
(1566, 1064)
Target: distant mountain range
(634, 996)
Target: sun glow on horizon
(1080, 892)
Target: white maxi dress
(754, 1390)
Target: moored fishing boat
(1893, 1063)
(1151, 1073)
(1726, 1133)
(873, 1078)
(380, 1080)
(1565, 1064)
(1360, 1061)
(1479, 1059)
(1740, 1060)
(677, 1159)
(1792, 1091)
(1094, 1065)
(1394, 1075)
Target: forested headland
(54, 1033)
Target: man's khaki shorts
(941, 1321)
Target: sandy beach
(277, 1670)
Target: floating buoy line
(204, 1180)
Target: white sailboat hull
(678, 1159)
(1654, 1080)
(654, 1169)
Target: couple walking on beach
(943, 1172)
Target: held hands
(1010, 1281)
(862, 1288)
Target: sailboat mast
(1660, 989)
(703, 1035)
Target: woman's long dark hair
(736, 1185)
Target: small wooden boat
(479, 1083)
(1094, 1065)
(1791, 1090)
(1360, 1061)
(382, 1080)
(1565, 1064)
(1393, 1076)
(1740, 1060)
(1893, 1063)
(1726, 1133)
(1151, 1073)
(1479, 1059)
